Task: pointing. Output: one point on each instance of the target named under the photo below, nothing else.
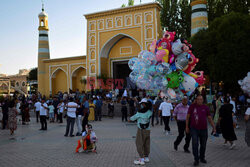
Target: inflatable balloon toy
(169, 36)
(171, 93)
(163, 68)
(174, 79)
(245, 84)
(164, 44)
(182, 60)
(191, 63)
(162, 55)
(198, 76)
(188, 85)
(153, 47)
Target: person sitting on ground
(88, 141)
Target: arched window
(42, 22)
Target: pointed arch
(72, 75)
(58, 80)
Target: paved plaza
(30, 147)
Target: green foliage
(176, 16)
(131, 2)
(223, 48)
(32, 74)
(218, 8)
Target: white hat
(144, 100)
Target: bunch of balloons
(245, 84)
(167, 67)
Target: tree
(223, 49)
(131, 2)
(32, 74)
(218, 8)
(184, 19)
(176, 16)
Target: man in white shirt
(71, 116)
(43, 115)
(165, 110)
(37, 109)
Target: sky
(67, 29)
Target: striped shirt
(180, 112)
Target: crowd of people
(81, 108)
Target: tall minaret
(199, 15)
(43, 48)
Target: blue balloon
(132, 62)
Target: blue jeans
(199, 137)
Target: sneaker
(146, 159)
(186, 151)
(167, 133)
(196, 163)
(224, 144)
(139, 162)
(232, 146)
(203, 161)
(175, 147)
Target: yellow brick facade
(112, 36)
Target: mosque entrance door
(121, 70)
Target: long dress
(226, 123)
(218, 106)
(91, 112)
(12, 118)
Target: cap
(144, 100)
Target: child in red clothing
(88, 140)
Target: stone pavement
(30, 147)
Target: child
(88, 140)
(143, 132)
(51, 112)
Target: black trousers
(37, 116)
(131, 110)
(60, 117)
(98, 114)
(85, 121)
(154, 116)
(23, 116)
(166, 122)
(124, 113)
(43, 120)
(5, 120)
(70, 124)
(181, 129)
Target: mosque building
(113, 37)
